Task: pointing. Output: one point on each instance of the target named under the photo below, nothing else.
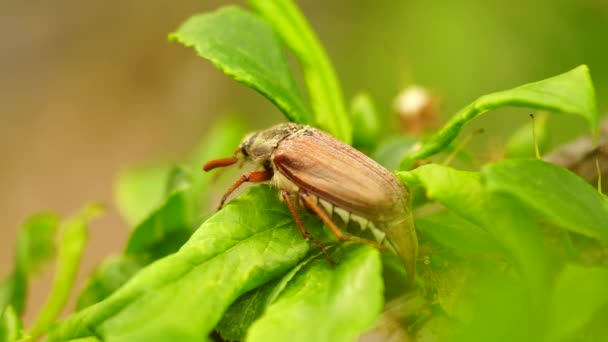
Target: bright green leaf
(11, 327)
(579, 294)
(35, 247)
(571, 92)
(72, 242)
(321, 80)
(337, 303)
(182, 296)
(246, 48)
(559, 196)
(366, 123)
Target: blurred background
(88, 89)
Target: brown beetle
(331, 179)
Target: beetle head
(257, 147)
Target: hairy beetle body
(333, 180)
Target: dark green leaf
(35, 247)
(571, 92)
(72, 242)
(579, 294)
(558, 195)
(183, 296)
(325, 303)
(321, 80)
(366, 123)
(246, 48)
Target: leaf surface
(325, 303)
(246, 48)
(571, 92)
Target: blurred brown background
(88, 88)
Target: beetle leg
(305, 233)
(253, 177)
(332, 226)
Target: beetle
(331, 179)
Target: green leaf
(183, 296)
(571, 92)
(366, 123)
(505, 220)
(72, 241)
(11, 327)
(107, 278)
(337, 303)
(521, 143)
(139, 190)
(579, 294)
(321, 80)
(35, 247)
(462, 237)
(250, 306)
(246, 48)
(559, 196)
(170, 225)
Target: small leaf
(579, 294)
(325, 303)
(521, 143)
(139, 190)
(558, 195)
(35, 247)
(571, 92)
(11, 327)
(72, 242)
(321, 80)
(246, 48)
(183, 296)
(366, 123)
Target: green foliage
(571, 93)
(514, 251)
(322, 83)
(246, 48)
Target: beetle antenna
(222, 162)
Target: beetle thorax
(259, 146)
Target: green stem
(321, 81)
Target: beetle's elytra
(333, 180)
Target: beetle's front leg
(294, 213)
(253, 177)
